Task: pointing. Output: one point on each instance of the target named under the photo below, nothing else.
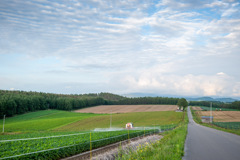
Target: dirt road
(205, 143)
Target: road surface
(204, 143)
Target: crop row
(55, 148)
(228, 125)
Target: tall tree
(182, 103)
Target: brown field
(197, 108)
(127, 108)
(222, 116)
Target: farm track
(109, 152)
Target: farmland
(53, 134)
(55, 120)
(68, 144)
(42, 120)
(119, 120)
(127, 108)
(222, 116)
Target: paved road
(205, 143)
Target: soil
(197, 108)
(127, 108)
(222, 116)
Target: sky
(166, 47)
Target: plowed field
(197, 108)
(127, 108)
(222, 116)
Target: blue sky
(168, 47)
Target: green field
(228, 125)
(42, 120)
(62, 146)
(119, 120)
(54, 134)
(55, 120)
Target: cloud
(167, 46)
(180, 85)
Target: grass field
(53, 134)
(119, 120)
(42, 120)
(55, 120)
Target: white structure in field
(129, 125)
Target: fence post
(128, 137)
(90, 146)
(3, 122)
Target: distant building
(206, 119)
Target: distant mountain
(132, 95)
(225, 100)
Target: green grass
(42, 120)
(171, 146)
(198, 120)
(119, 120)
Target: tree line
(19, 102)
(216, 104)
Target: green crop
(228, 125)
(61, 146)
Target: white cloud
(170, 47)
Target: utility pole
(3, 122)
(211, 112)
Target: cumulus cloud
(174, 47)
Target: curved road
(204, 143)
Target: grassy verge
(197, 119)
(169, 147)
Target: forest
(216, 104)
(19, 102)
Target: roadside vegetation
(171, 146)
(231, 127)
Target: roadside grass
(197, 119)
(139, 119)
(42, 120)
(171, 146)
